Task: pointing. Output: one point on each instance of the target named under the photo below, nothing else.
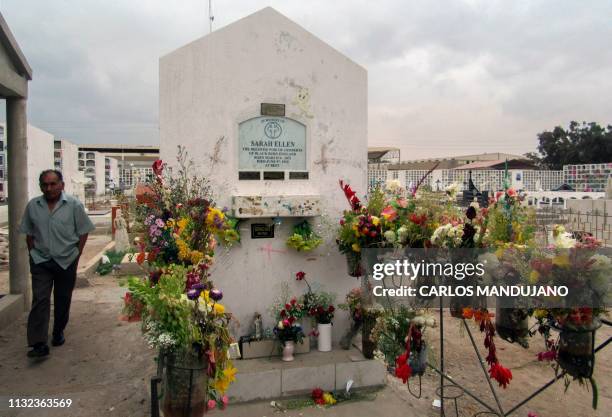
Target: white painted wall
(40, 157)
(210, 85)
(70, 169)
(100, 174)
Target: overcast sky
(445, 77)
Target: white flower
(419, 321)
(390, 236)
(280, 325)
(393, 186)
(430, 321)
(452, 190)
(402, 234)
(564, 241)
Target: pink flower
(212, 404)
(402, 202)
(498, 195)
(389, 213)
(225, 401)
(511, 192)
(532, 414)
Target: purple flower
(159, 222)
(158, 232)
(198, 286)
(193, 294)
(216, 294)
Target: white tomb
(270, 164)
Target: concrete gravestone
(273, 117)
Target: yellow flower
(221, 385)
(219, 309)
(375, 221)
(182, 224)
(204, 295)
(356, 247)
(230, 373)
(329, 399)
(534, 277)
(196, 256)
(561, 261)
(499, 253)
(540, 313)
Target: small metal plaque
(272, 109)
(249, 175)
(262, 231)
(298, 175)
(273, 175)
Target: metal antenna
(210, 16)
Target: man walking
(56, 228)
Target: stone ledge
(11, 308)
(269, 378)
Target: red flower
(300, 275)
(291, 320)
(287, 306)
(500, 374)
(158, 167)
(283, 313)
(317, 393)
(286, 323)
(331, 309)
(140, 258)
(293, 301)
(402, 369)
(350, 196)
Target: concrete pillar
(17, 157)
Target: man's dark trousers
(45, 276)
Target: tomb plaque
(271, 144)
(271, 109)
(262, 231)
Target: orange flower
(140, 258)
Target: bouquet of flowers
(182, 317)
(288, 327)
(304, 239)
(353, 305)
(181, 224)
(316, 304)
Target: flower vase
(185, 386)
(367, 345)
(575, 354)
(512, 325)
(354, 264)
(288, 350)
(324, 341)
(418, 361)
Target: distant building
(92, 164)
(588, 177)
(40, 157)
(486, 170)
(111, 174)
(134, 162)
(66, 160)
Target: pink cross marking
(268, 249)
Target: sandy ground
(95, 243)
(105, 367)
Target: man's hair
(50, 171)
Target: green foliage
(303, 239)
(580, 143)
(376, 201)
(115, 258)
(390, 331)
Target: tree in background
(586, 143)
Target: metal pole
(480, 361)
(17, 159)
(539, 391)
(441, 358)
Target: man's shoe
(39, 350)
(58, 339)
